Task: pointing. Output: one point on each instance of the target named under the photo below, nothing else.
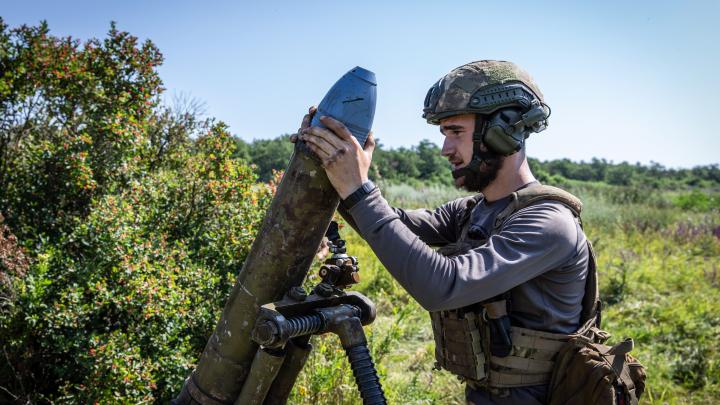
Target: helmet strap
(479, 156)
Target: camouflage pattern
(279, 259)
(451, 95)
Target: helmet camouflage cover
(480, 87)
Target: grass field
(658, 260)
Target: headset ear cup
(501, 136)
(496, 140)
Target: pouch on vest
(587, 372)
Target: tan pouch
(593, 373)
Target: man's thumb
(369, 143)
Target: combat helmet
(508, 103)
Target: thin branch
(7, 358)
(14, 397)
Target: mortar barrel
(278, 260)
(282, 252)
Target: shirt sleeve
(434, 227)
(533, 240)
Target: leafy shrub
(120, 310)
(697, 201)
(13, 263)
(74, 121)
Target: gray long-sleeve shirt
(539, 254)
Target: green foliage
(131, 221)
(13, 263)
(419, 163)
(267, 155)
(73, 122)
(423, 163)
(128, 298)
(652, 176)
(669, 301)
(697, 201)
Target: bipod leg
(345, 319)
(298, 350)
(265, 367)
(352, 337)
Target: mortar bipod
(283, 329)
(345, 317)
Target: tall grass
(658, 265)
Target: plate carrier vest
(477, 342)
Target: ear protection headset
(504, 132)
(506, 115)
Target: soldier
(506, 285)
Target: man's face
(458, 149)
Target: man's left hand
(345, 161)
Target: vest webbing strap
(535, 349)
(615, 357)
(539, 334)
(527, 365)
(538, 192)
(501, 379)
(522, 338)
(532, 358)
(532, 194)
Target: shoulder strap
(591, 305)
(464, 219)
(534, 193)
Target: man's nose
(448, 147)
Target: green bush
(126, 223)
(74, 122)
(697, 201)
(119, 310)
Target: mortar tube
(279, 259)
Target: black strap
(479, 156)
(365, 189)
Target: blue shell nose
(364, 74)
(351, 100)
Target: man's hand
(344, 160)
(307, 119)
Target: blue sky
(627, 81)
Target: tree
(431, 164)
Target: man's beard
(477, 180)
